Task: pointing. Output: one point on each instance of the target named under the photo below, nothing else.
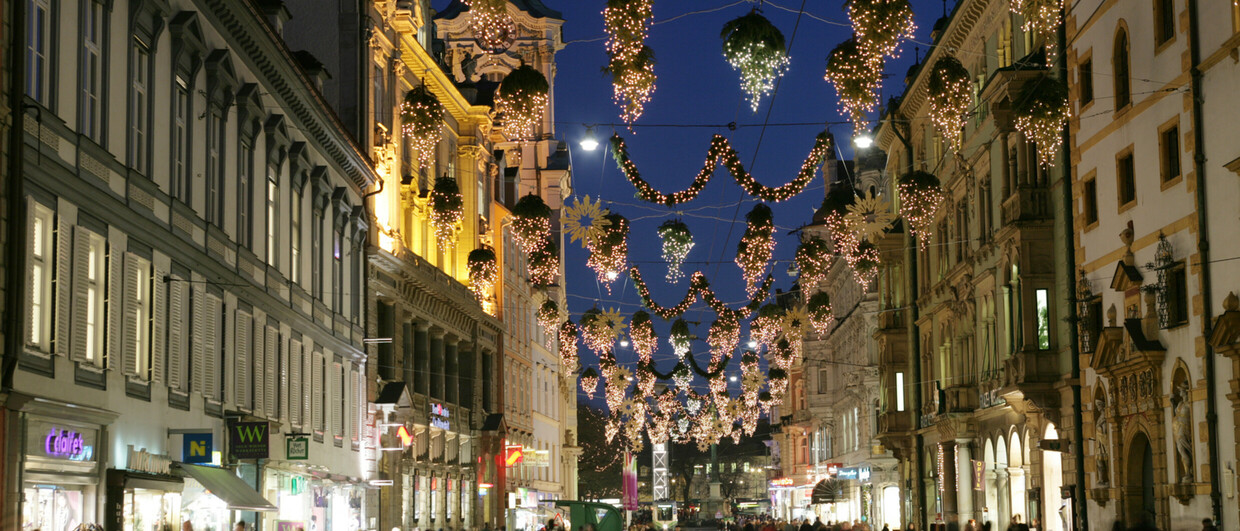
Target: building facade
(179, 198)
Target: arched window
(1119, 62)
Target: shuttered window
(178, 291)
(243, 385)
(64, 288)
(285, 399)
(159, 320)
(269, 379)
(39, 219)
(213, 353)
(316, 379)
(359, 404)
(295, 383)
(258, 368)
(337, 400)
(136, 348)
(89, 272)
(198, 324)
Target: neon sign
(782, 482)
(439, 416)
(65, 443)
(406, 438)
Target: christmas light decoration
(421, 117)
(764, 328)
(631, 62)
(679, 338)
(447, 209)
(589, 382)
(1041, 17)
(584, 221)
(920, 197)
(856, 76)
(490, 23)
(483, 272)
(819, 308)
(813, 260)
(721, 152)
(756, 246)
(677, 242)
(756, 48)
(641, 331)
(682, 376)
(869, 217)
(1041, 114)
(600, 328)
(881, 25)
(610, 251)
(531, 222)
(723, 337)
(950, 92)
(864, 262)
(568, 346)
(545, 264)
(795, 326)
(548, 315)
(522, 100)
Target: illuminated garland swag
(522, 99)
(698, 286)
(421, 117)
(447, 210)
(756, 47)
(721, 152)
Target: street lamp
(589, 142)
(863, 140)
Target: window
(94, 19)
(90, 292)
(1042, 300)
(1177, 295)
(316, 251)
(1086, 82)
(295, 236)
(1235, 16)
(245, 196)
(1090, 197)
(337, 266)
(136, 357)
(1169, 152)
(1119, 64)
(1005, 44)
(899, 391)
(180, 140)
(39, 39)
(216, 134)
(39, 294)
(273, 212)
(1164, 21)
(1126, 179)
(823, 381)
(140, 104)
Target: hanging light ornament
(1041, 115)
(764, 328)
(421, 117)
(677, 242)
(856, 77)
(522, 99)
(1041, 17)
(679, 338)
(881, 25)
(864, 262)
(794, 327)
(631, 62)
(589, 382)
(682, 376)
(610, 252)
(584, 221)
(723, 337)
(447, 210)
(756, 47)
(920, 197)
(483, 273)
(531, 223)
(568, 346)
(819, 308)
(869, 217)
(813, 261)
(490, 23)
(548, 315)
(646, 379)
(641, 331)
(545, 264)
(601, 328)
(756, 246)
(950, 92)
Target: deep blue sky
(697, 86)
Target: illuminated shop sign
(782, 482)
(848, 473)
(439, 416)
(64, 443)
(513, 455)
(61, 442)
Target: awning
(228, 487)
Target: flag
(629, 476)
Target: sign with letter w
(249, 440)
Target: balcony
(1031, 374)
(1027, 204)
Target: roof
(390, 394)
(533, 7)
(493, 422)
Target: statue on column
(1182, 430)
(1102, 436)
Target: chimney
(277, 14)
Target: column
(1005, 182)
(1017, 489)
(948, 481)
(1003, 498)
(1022, 160)
(422, 358)
(450, 376)
(436, 365)
(964, 470)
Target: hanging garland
(864, 263)
(721, 152)
(723, 337)
(568, 346)
(483, 272)
(545, 264)
(601, 328)
(531, 222)
(950, 93)
(610, 252)
(920, 197)
(589, 382)
(641, 332)
(677, 242)
(1042, 114)
(835, 206)
(490, 23)
(1041, 17)
(856, 76)
(631, 62)
(679, 338)
(756, 47)
(447, 210)
(819, 308)
(522, 99)
(584, 221)
(880, 25)
(548, 315)
(698, 286)
(421, 117)
(813, 261)
(766, 326)
(756, 246)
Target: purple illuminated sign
(64, 443)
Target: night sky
(696, 86)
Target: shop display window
(203, 509)
(151, 510)
(51, 508)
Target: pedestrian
(1208, 525)
(187, 526)
(805, 526)
(239, 526)
(885, 528)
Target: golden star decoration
(613, 321)
(585, 221)
(869, 217)
(795, 322)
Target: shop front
(145, 495)
(60, 473)
(313, 501)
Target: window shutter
(64, 271)
(159, 314)
(211, 356)
(81, 276)
(30, 280)
(337, 428)
(285, 355)
(259, 368)
(307, 383)
(176, 333)
(316, 379)
(359, 403)
(129, 355)
(294, 383)
(269, 382)
(242, 359)
(198, 321)
(115, 306)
